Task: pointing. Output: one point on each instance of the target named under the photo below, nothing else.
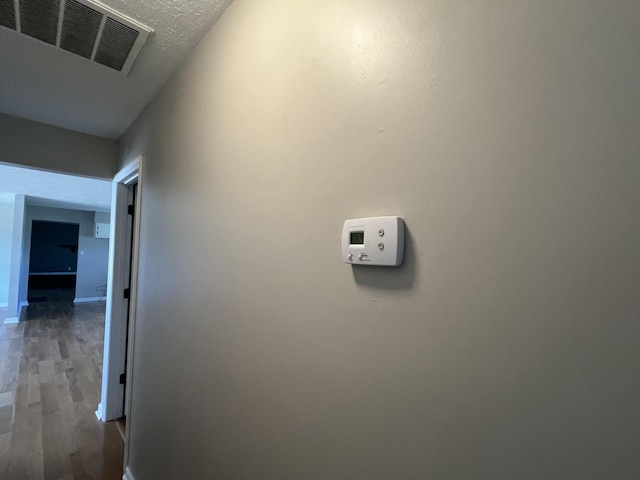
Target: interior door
(133, 190)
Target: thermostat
(373, 241)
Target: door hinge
(130, 209)
(127, 292)
(123, 378)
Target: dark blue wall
(54, 247)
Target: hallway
(50, 376)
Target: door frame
(114, 404)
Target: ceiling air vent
(86, 28)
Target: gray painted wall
(33, 144)
(6, 236)
(102, 217)
(506, 347)
(92, 266)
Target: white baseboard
(127, 474)
(4, 305)
(17, 318)
(87, 299)
(99, 412)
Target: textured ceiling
(42, 83)
(55, 189)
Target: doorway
(53, 262)
(122, 290)
(132, 190)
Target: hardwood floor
(50, 377)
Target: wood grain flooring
(50, 377)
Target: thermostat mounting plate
(373, 241)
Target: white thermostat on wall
(373, 241)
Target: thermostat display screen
(356, 238)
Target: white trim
(16, 319)
(5, 304)
(18, 19)
(99, 411)
(127, 474)
(99, 35)
(128, 174)
(115, 339)
(60, 22)
(133, 305)
(116, 335)
(87, 299)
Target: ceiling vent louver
(8, 14)
(83, 27)
(80, 28)
(39, 19)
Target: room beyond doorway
(53, 261)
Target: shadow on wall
(401, 278)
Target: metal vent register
(83, 27)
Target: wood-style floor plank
(50, 379)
